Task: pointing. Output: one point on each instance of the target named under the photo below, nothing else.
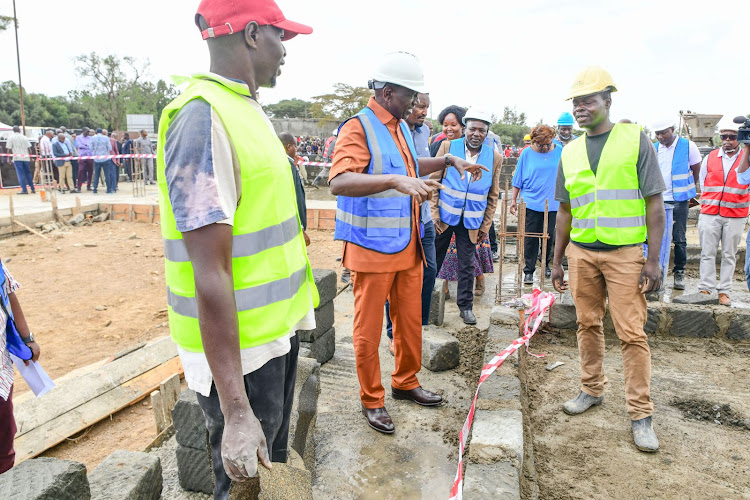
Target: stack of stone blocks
(124, 475)
(320, 343)
(290, 480)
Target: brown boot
(724, 299)
(479, 287)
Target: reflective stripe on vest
(383, 221)
(683, 180)
(246, 298)
(272, 277)
(727, 198)
(606, 207)
(466, 198)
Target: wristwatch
(447, 159)
(29, 339)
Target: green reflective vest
(607, 206)
(273, 281)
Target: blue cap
(566, 120)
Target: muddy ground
(68, 280)
(702, 418)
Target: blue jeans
(428, 281)
(679, 228)
(24, 175)
(108, 169)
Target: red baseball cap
(225, 17)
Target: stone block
(563, 316)
(323, 348)
(194, 470)
(305, 408)
(498, 480)
(502, 334)
(127, 475)
(189, 423)
(497, 436)
(437, 304)
(739, 326)
(500, 391)
(325, 281)
(45, 479)
(440, 350)
(506, 316)
(696, 298)
(693, 322)
(653, 319)
(324, 319)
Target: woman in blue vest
(534, 179)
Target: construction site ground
(98, 290)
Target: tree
(109, 81)
(289, 108)
(343, 102)
(512, 127)
(5, 22)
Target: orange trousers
(404, 290)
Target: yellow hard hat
(527, 137)
(591, 80)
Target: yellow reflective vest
(273, 282)
(608, 206)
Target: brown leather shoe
(379, 419)
(418, 395)
(724, 299)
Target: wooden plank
(72, 422)
(75, 393)
(170, 390)
(160, 413)
(29, 229)
(78, 206)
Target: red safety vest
(726, 198)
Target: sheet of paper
(34, 375)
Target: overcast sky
(663, 56)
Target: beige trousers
(593, 277)
(66, 176)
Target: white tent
(5, 127)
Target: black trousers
(531, 246)
(493, 238)
(270, 390)
(679, 230)
(465, 250)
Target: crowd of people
(58, 151)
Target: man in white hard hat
(680, 163)
(724, 209)
(466, 208)
(609, 187)
(375, 175)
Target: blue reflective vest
(383, 221)
(683, 181)
(15, 345)
(466, 198)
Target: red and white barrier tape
(540, 303)
(64, 158)
(315, 164)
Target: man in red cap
(239, 283)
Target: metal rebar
(521, 231)
(544, 240)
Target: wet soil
(592, 455)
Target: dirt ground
(702, 419)
(65, 288)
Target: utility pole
(18, 59)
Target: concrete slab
(497, 480)
(497, 436)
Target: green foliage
(115, 87)
(343, 102)
(289, 108)
(5, 22)
(512, 127)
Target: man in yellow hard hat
(526, 142)
(610, 191)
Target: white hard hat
(474, 113)
(728, 124)
(400, 68)
(662, 124)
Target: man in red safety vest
(725, 201)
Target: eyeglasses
(728, 137)
(543, 146)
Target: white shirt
(18, 144)
(223, 189)
(666, 155)
(727, 162)
(45, 146)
